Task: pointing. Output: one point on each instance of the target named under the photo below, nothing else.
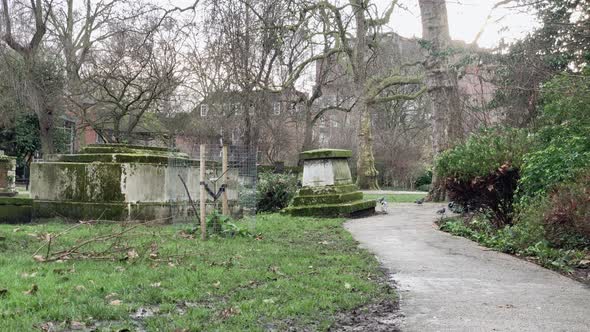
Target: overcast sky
(466, 18)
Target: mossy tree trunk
(441, 81)
(366, 177)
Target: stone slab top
(325, 154)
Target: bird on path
(383, 203)
(419, 201)
(441, 211)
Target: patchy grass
(299, 273)
(397, 198)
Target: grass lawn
(397, 198)
(297, 274)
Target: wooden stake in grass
(203, 193)
(224, 163)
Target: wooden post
(224, 167)
(203, 194)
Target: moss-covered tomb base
(330, 201)
(15, 210)
(159, 212)
(349, 209)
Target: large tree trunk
(37, 102)
(441, 81)
(366, 173)
(46, 132)
(308, 129)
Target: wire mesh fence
(229, 182)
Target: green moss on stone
(332, 210)
(18, 201)
(328, 190)
(327, 199)
(325, 154)
(108, 211)
(15, 214)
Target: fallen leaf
(119, 269)
(16, 230)
(132, 254)
(39, 258)
(156, 284)
(217, 284)
(74, 325)
(268, 301)
(80, 288)
(33, 290)
(115, 302)
(347, 285)
(47, 327)
(228, 312)
(110, 296)
(28, 275)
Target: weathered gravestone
(12, 209)
(327, 187)
(7, 175)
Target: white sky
(466, 18)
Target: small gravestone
(7, 175)
(12, 209)
(327, 187)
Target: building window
(276, 108)
(204, 110)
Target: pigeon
(441, 211)
(383, 203)
(419, 201)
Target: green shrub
(483, 153)
(567, 218)
(275, 191)
(482, 173)
(563, 140)
(559, 161)
(224, 226)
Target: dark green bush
(482, 173)
(483, 153)
(275, 191)
(424, 179)
(562, 147)
(559, 161)
(567, 217)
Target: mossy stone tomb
(327, 187)
(115, 182)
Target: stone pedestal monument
(327, 187)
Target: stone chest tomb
(115, 182)
(327, 188)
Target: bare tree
(29, 49)
(133, 74)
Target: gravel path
(449, 283)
